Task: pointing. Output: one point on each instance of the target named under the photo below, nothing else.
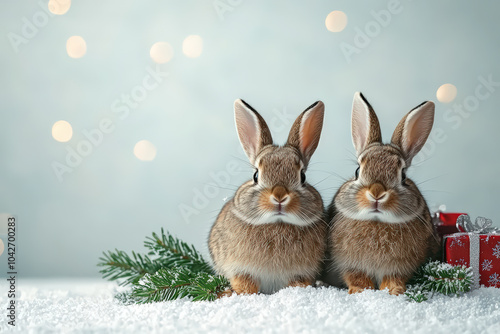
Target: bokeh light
(161, 52)
(336, 21)
(76, 47)
(59, 7)
(192, 46)
(144, 150)
(62, 131)
(446, 93)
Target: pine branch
(174, 252)
(171, 270)
(208, 287)
(166, 284)
(165, 252)
(119, 265)
(438, 277)
(175, 283)
(416, 294)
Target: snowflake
(456, 242)
(461, 262)
(496, 251)
(487, 266)
(494, 280)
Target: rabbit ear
(252, 129)
(306, 130)
(412, 131)
(365, 127)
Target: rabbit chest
(379, 248)
(275, 251)
(276, 246)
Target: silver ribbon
(480, 226)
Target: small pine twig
(178, 282)
(165, 251)
(416, 294)
(174, 252)
(119, 265)
(172, 269)
(438, 277)
(208, 287)
(166, 284)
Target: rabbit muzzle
(279, 198)
(376, 194)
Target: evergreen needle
(437, 277)
(170, 270)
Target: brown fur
(358, 281)
(379, 249)
(274, 248)
(279, 193)
(367, 246)
(242, 284)
(304, 134)
(375, 134)
(376, 248)
(272, 233)
(395, 285)
(301, 283)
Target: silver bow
(480, 226)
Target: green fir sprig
(209, 287)
(119, 266)
(174, 252)
(437, 277)
(170, 270)
(178, 282)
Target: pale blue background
(278, 56)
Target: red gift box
(446, 222)
(479, 251)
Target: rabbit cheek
(294, 205)
(362, 199)
(391, 203)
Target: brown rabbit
(381, 229)
(272, 233)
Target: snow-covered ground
(88, 306)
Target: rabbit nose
(280, 196)
(376, 192)
(282, 201)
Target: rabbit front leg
(301, 282)
(244, 284)
(357, 281)
(396, 285)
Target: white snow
(88, 306)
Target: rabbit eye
(302, 176)
(403, 177)
(256, 176)
(357, 173)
